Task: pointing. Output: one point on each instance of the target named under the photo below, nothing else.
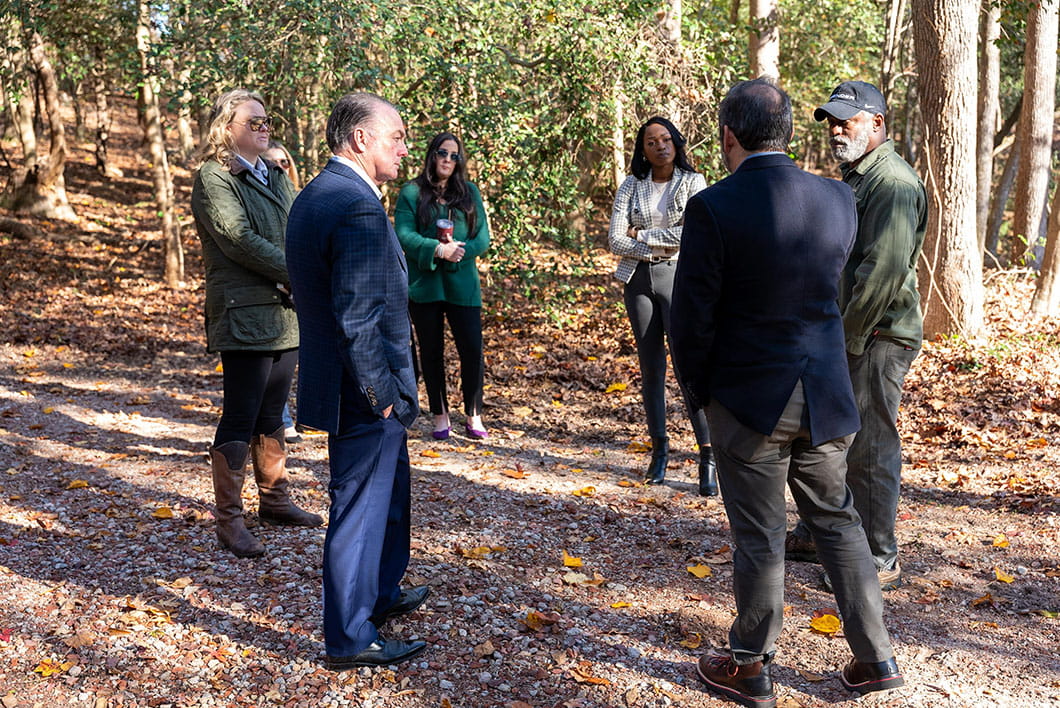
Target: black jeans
(874, 463)
(466, 324)
(753, 470)
(647, 297)
(256, 386)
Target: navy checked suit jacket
(754, 306)
(350, 286)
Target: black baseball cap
(850, 98)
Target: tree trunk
(951, 281)
(186, 140)
(151, 120)
(1036, 126)
(1046, 300)
(42, 190)
(202, 122)
(997, 209)
(989, 108)
(765, 39)
(22, 115)
(314, 114)
(99, 88)
(892, 48)
(618, 137)
(670, 22)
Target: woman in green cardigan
(240, 203)
(442, 227)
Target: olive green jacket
(433, 279)
(242, 225)
(878, 293)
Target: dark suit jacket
(754, 304)
(350, 286)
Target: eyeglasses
(284, 162)
(256, 125)
(444, 154)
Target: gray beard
(851, 150)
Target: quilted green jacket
(242, 224)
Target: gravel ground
(114, 592)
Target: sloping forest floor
(113, 591)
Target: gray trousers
(753, 470)
(874, 462)
(647, 296)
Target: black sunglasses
(443, 153)
(256, 125)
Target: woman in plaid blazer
(645, 231)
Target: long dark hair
(640, 167)
(457, 193)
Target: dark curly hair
(640, 167)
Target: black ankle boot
(660, 453)
(708, 472)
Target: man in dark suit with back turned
(758, 338)
(356, 381)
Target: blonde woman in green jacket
(240, 203)
(442, 226)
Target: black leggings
(466, 323)
(256, 386)
(647, 297)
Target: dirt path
(114, 593)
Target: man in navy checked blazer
(356, 381)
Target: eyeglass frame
(444, 154)
(263, 123)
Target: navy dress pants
(366, 548)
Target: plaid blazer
(632, 208)
(350, 285)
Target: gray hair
(352, 111)
(758, 112)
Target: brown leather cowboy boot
(269, 455)
(228, 465)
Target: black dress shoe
(409, 601)
(660, 455)
(708, 472)
(865, 678)
(379, 653)
(749, 685)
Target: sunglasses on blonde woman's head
(444, 154)
(256, 125)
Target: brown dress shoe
(863, 678)
(748, 684)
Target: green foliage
(531, 86)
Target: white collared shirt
(259, 169)
(360, 172)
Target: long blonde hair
(292, 172)
(219, 144)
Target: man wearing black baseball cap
(880, 303)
